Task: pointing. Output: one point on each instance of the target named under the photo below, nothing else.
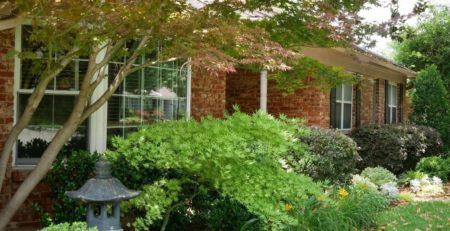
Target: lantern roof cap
(103, 188)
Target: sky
(383, 46)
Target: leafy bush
(395, 147)
(354, 209)
(238, 157)
(76, 226)
(379, 175)
(69, 172)
(410, 175)
(333, 156)
(435, 166)
(430, 106)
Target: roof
(359, 60)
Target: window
(391, 95)
(341, 107)
(54, 108)
(153, 94)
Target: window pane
(347, 92)
(394, 96)
(50, 115)
(394, 115)
(66, 79)
(339, 115)
(347, 116)
(339, 92)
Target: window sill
(23, 167)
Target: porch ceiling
(356, 61)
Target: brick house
(172, 91)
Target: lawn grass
(417, 216)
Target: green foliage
(76, 226)
(153, 202)
(238, 157)
(395, 147)
(307, 71)
(435, 166)
(428, 44)
(405, 196)
(356, 211)
(332, 156)
(430, 105)
(69, 172)
(379, 175)
(411, 175)
(416, 216)
(228, 214)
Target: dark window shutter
(401, 90)
(333, 122)
(358, 106)
(386, 102)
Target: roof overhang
(360, 61)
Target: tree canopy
(427, 44)
(216, 35)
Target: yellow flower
(288, 207)
(320, 198)
(343, 193)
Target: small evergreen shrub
(332, 156)
(430, 105)
(69, 172)
(395, 147)
(435, 166)
(76, 226)
(379, 175)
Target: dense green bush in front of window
(69, 172)
(239, 157)
(332, 156)
(397, 148)
(435, 166)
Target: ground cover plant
(416, 216)
(435, 166)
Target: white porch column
(98, 119)
(263, 91)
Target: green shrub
(379, 175)
(333, 156)
(395, 147)
(238, 157)
(69, 172)
(354, 211)
(76, 226)
(435, 166)
(410, 175)
(430, 105)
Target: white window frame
(342, 103)
(392, 118)
(97, 129)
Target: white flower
(390, 189)
(436, 181)
(414, 185)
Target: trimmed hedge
(332, 156)
(397, 148)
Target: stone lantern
(103, 195)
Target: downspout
(263, 91)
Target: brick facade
(25, 216)
(309, 103)
(207, 95)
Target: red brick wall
(207, 95)
(308, 103)
(380, 101)
(25, 216)
(368, 106)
